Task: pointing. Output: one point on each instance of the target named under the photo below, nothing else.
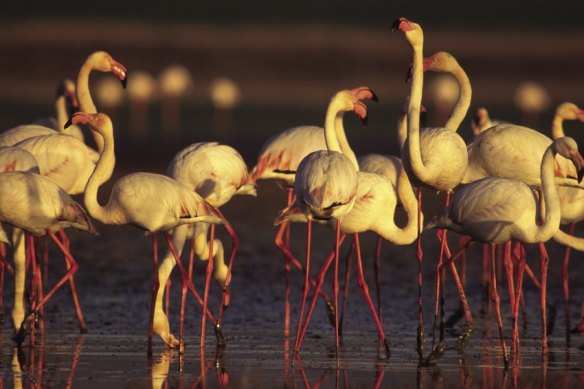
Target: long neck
(558, 127)
(551, 214)
(334, 134)
(85, 101)
(463, 102)
(402, 129)
(103, 170)
(61, 112)
(417, 83)
(408, 233)
(569, 240)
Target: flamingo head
(412, 31)
(66, 89)
(441, 62)
(568, 148)
(102, 61)
(570, 111)
(480, 121)
(98, 122)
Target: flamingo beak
(120, 71)
(578, 160)
(580, 114)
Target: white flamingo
(435, 157)
(37, 205)
(216, 172)
(497, 210)
(152, 202)
(326, 188)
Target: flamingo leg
(348, 263)
(365, 291)
(544, 269)
(319, 283)
(207, 285)
(153, 291)
(497, 300)
(74, 295)
(183, 296)
(509, 272)
(419, 257)
(305, 289)
(226, 295)
(565, 283)
(336, 288)
(377, 270)
(515, 337)
(64, 279)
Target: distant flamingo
(152, 202)
(436, 157)
(497, 210)
(326, 187)
(482, 121)
(35, 204)
(216, 172)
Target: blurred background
(238, 72)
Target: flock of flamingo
(512, 184)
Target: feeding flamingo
(152, 202)
(216, 172)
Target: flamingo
(37, 205)
(152, 202)
(497, 210)
(571, 199)
(216, 172)
(326, 187)
(278, 160)
(435, 157)
(482, 121)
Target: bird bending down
(497, 210)
(326, 188)
(216, 172)
(152, 202)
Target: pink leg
(515, 306)
(544, 268)
(509, 272)
(207, 285)
(64, 279)
(419, 257)
(497, 301)
(74, 295)
(365, 291)
(226, 296)
(153, 291)
(348, 263)
(336, 289)
(319, 283)
(183, 296)
(377, 269)
(565, 283)
(306, 284)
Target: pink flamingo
(436, 157)
(325, 188)
(497, 210)
(35, 204)
(152, 202)
(216, 172)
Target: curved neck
(417, 80)
(334, 134)
(463, 102)
(551, 214)
(408, 233)
(558, 127)
(61, 112)
(85, 101)
(102, 172)
(402, 129)
(569, 240)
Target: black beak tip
(68, 123)
(364, 121)
(374, 97)
(395, 24)
(580, 175)
(125, 81)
